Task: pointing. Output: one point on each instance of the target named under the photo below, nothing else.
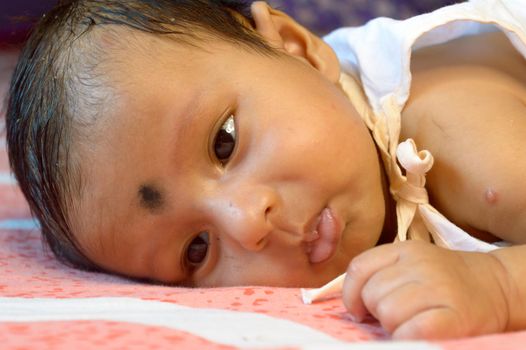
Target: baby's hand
(418, 290)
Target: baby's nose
(243, 214)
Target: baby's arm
(473, 120)
(513, 262)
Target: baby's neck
(389, 229)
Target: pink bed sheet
(44, 304)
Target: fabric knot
(413, 194)
(406, 169)
(416, 165)
(414, 162)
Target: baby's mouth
(323, 239)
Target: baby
(218, 143)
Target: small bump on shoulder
(491, 196)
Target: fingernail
(355, 318)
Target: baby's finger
(383, 286)
(360, 270)
(437, 323)
(403, 303)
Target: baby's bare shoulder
(472, 117)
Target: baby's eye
(198, 248)
(225, 140)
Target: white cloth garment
(377, 59)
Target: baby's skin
(292, 190)
(467, 107)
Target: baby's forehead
(111, 39)
(114, 55)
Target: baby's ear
(282, 32)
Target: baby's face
(226, 167)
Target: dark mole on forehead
(151, 197)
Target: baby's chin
(311, 281)
(314, 275)
(310, 278)
(282, 283)
(299, 277)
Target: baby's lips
(312, 236)
(320, 252)
(329, 231)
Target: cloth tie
(406, 168)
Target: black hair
(44, 109)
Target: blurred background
(321, 16)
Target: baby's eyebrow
(151, 197)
